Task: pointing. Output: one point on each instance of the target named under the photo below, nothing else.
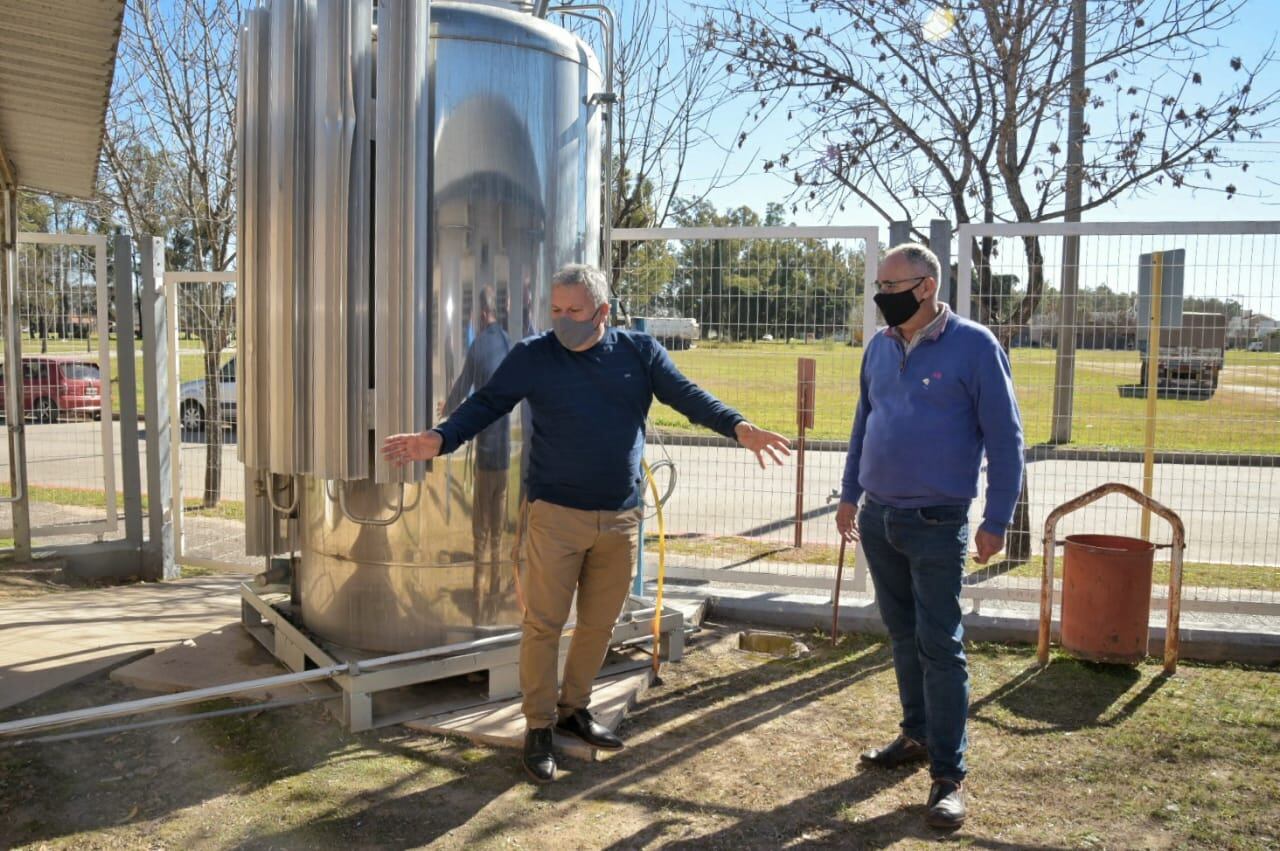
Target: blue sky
(1249, 37)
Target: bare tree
(906, 106)
(668, 86)
(170, 161)
(913, 106)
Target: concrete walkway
(57, 639)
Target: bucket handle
(1175, 568)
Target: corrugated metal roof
(56, 62)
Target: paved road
(1232, 513)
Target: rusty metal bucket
(1103, 583)
(1106, 597)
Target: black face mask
(898, 307)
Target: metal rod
(167, 701)
(179, 719)
(1153, 388)
(540, 8)
(835, 599)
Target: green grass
(1202, 574)
(760, 380)
(227, 509)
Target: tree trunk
(213, 425)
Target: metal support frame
(158, 553)
(1175, 568)
(362, 680)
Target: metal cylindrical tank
(516, 183)
(1106, 597)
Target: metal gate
(208, 478)
(67, 387)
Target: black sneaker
(903, 750)
(582, 725)
(539, 759)
(946, 805)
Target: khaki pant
(591, 552)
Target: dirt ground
(733, 750)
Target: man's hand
(847, 522)
(987, 545)
(401, 449)
(760, 441)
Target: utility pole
(1065, 369)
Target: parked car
(191, 399)
(55, 386)
(1255, 346)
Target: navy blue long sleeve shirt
(589, 411)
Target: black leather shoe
(903, 750)
(582, 725)
(539, 759)
(946, 805)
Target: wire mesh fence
(68, 379)
(753, 316)
(1206, 442)
(209, 476)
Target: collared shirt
(932, 331)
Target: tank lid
(501, 23)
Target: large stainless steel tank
(512, 192)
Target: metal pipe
(1171, 638)
(540, 8)
(369, 521)
(159, 722)
(609, 23)
(270, 489)
(166, 701)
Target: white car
(1255, 346)
(191, 399)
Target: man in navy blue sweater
(936, 393)
(589, 387)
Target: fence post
(20, 493)
(940, 244)
(158, 553)
(806, 376)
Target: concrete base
(56, 639)
(797, 611)
(224, 655)
(502, 724)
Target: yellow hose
(662, 568)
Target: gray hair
(588, 276)
(919, 256)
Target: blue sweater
(589, 411)
(924, 419)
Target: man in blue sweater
(936, 392)
(589, 387)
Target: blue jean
(917, 557)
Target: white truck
(674, 332)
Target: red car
(54, 386)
